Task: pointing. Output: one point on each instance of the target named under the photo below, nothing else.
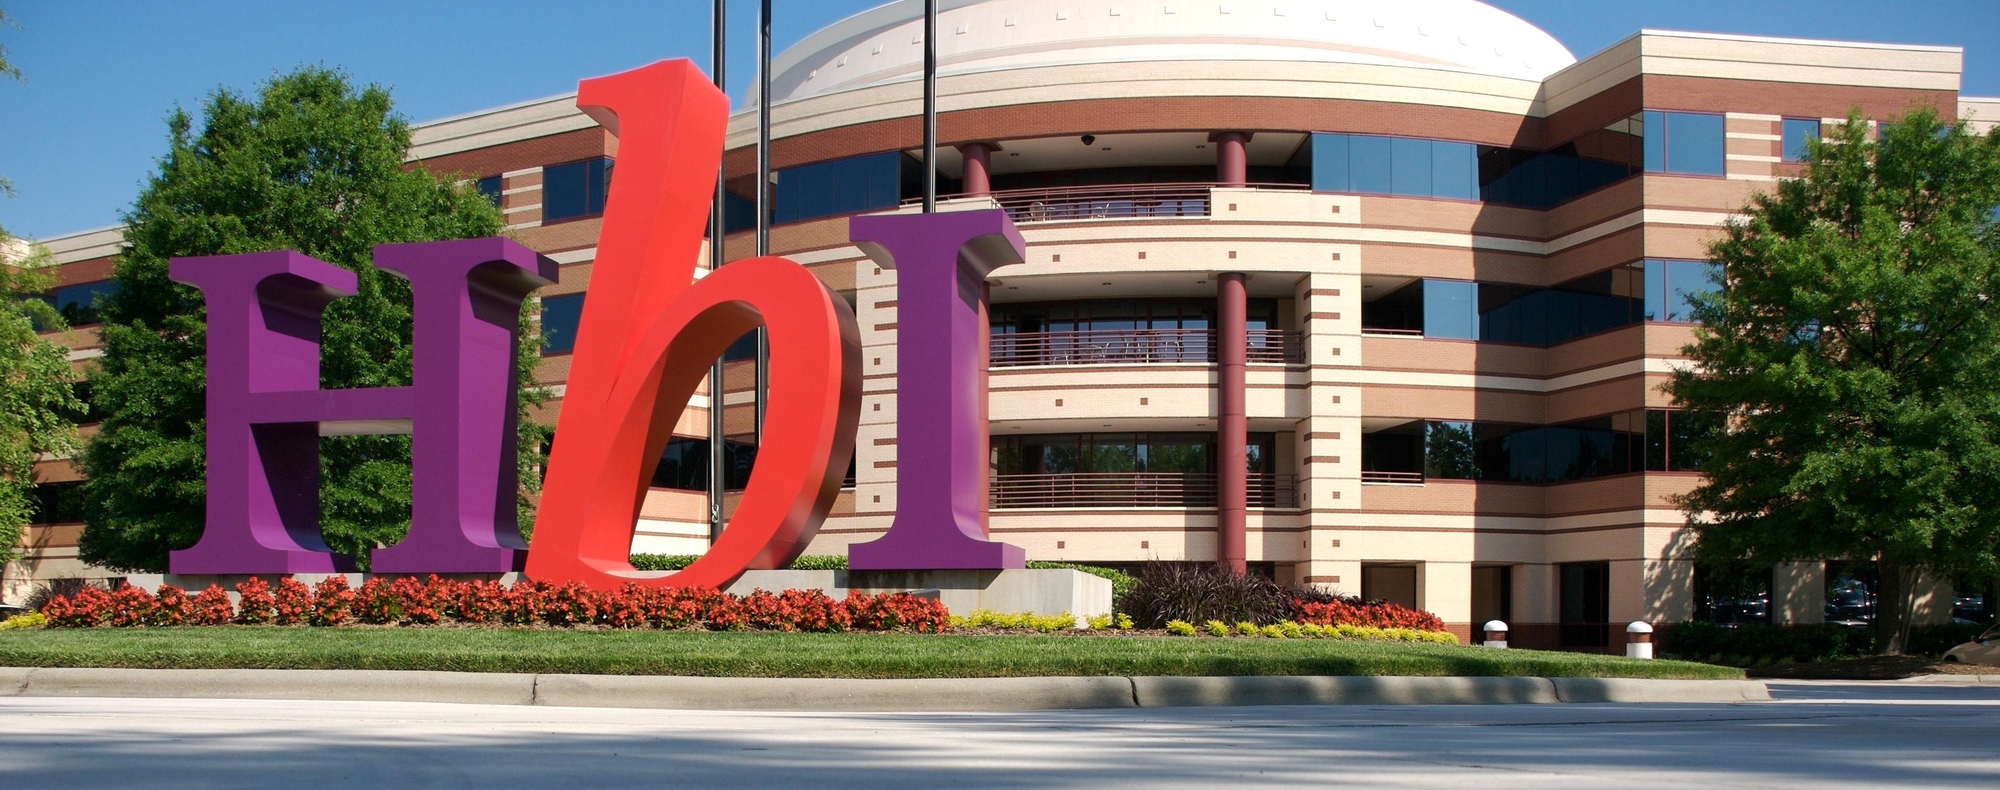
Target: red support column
(1232, 163)
(978, 161)
(1231, 435)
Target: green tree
(1855, 349)
(310, 164)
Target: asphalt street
(1818, 735)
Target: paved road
(1818, 736)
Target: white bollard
(1496, 634)
(1638, 640)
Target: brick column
(1232, 163)
(978, 160)
(1231, 463)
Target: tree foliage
(36, 395)
(309, 164)
(1855, 347)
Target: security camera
(1089, 138)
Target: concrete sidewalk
(824, 694)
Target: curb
(1954, 680)
(848, 695)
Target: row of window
(1098, 315)
(1653, 290)
(1083, 453)
(562, 314)
(1650, 441)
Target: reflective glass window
(1797, 133)
(1329, 163)
(1451, 309)
(1684, 142)
(78, 303)
(560, 315)
(1410, 166)
(577, 189)
(490, 188)
(1370, 164)
(840, 186)
(1672, 285)
(1454, 171)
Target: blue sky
(81, 135)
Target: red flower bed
(1353, 611)
(410, 601)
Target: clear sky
(81, 135)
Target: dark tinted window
(577, 189)
(1420, 167)
(1121, 452)
(842, 186)
(78, 303)
(684, 465)
(490, 187)
(1798, 132)
(560, 315)
(57, 503)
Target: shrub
(130, 606)
(480, 602)
(571, 604)
(1354, 611)
(1216, 628)
(1124, 621)
(1246, 628)
(675, 562)
(333, 601)
(254, 603)
(171, 606)
(292, 604)
(88, 608)
(424, 602)
(625, 607)
(29, 620)
(1198, 592)
(1098, 622)
(1745, 644)
(1180, 628)
(1272, 631)
(898, 612)
(211, 607)
(1292, 630)
(522, 602)
(46, 592)
(376, 602)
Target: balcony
(1137, 347)
(1106, 201)
(1135, 489)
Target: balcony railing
(1392, 477)
(1108, 201)
(1136, 346)
(1135, 489)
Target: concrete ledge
(1173, 692)
(827, 694)
(1648, 690)
(917, 694)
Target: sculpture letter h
(266, 410)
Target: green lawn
(789, 655)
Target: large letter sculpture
(648, 336)
(266, 410)
(941, 263)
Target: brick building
(1462, 253)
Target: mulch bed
(1870, 668)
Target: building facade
(1417, 265)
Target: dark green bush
(674, 562)
(1199, 592)
(1764, 644)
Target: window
(1683, 142)
(1797, 133)
(1732, 596)
(684, 465)
(841, 186)
(78, 303)
(1451, 309)
(1672, 438)
(560, 316)
(490, 187)
(577, 189)
(1121, 452)
(1419, 167)
(1672, 285)
(1394, 166)
(57, 503)
(1584, 604)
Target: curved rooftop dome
(885, 44)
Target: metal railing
(1379, 330)
(1108, 201)
(1135, 489)
(1392, 477)
(1136, 346)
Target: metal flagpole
(763, 194)
(930, 106)
(717, 427)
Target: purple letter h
(266, 410)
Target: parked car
(1984, 649)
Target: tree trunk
(1895, 606)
